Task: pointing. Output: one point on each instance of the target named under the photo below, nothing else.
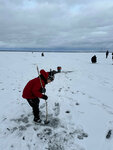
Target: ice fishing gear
(39, 77)
(46, 121)
(51, 75)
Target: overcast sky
(71, 24)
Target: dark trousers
(34, 103)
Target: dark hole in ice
(67, 111)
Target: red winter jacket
(33, 87)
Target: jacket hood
(44, 74)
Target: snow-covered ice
(80, 103)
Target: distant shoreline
(55, 51)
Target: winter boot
(37, 120)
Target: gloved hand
(43, 90)
(45, 97)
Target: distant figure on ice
(42, 54)
(35, 89)
(107, 53)
(94, 59)
(112, 56)
(59, 69)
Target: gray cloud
(53, 24)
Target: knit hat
(44, 74)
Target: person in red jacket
(35, 89)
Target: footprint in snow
(56, 109)
(21, 119)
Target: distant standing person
(94, 59)
(112, 56)
(107, 53)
